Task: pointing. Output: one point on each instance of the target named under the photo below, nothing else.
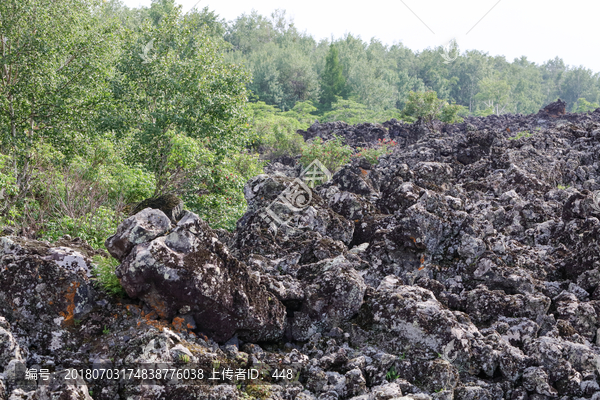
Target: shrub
(104, 271)
(93, 227)
(355, 113)
(83, 196)
(425, 105)
(216, 190)
(333, 153)
(274, 132)
(453, 113)
(372, 154)
(583, 106)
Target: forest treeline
(288, 67)
(102, 106)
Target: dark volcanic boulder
(333, 294)
(555, 109)
(139, 228)
(191, 268)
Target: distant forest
(288, 67)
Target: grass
(392, 375)
(184, 358)
(104, 271)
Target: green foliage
(332, 78)
(453, 113)
(274, 132)
(104, 272)
(495, 94)
(424, 105)
(84, 196)
(583, 106)
(484, 112)
(372, 154)
(216, 190)
(56, 61)
(184, 358)
(173, 83)
(258, 391)
(332, 153)
(521, 135)
(8, 186)
(94, 227)
(355, 113)
(392, 375)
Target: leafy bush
(372, 154)
(274, 132)
(94, 227)
(216, 190)
(425, 105)
(104, 271)
(83, 195)
(392, 375)
(453, 113)
(333, 153)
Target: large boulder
(139, 228)
(191, 269)
(334, 292)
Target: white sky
(539, 30)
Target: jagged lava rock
(191, 267)
(139, 228)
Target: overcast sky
(539, 30)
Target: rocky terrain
(465, 265)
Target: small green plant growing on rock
(184, 358)
(520, 135)
(105, 331)
(104, 271)
(392, 375)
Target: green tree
(494, 94)
(55, 62)
(424, 105)
(173, 84)
(332, 79)
(583, 106)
